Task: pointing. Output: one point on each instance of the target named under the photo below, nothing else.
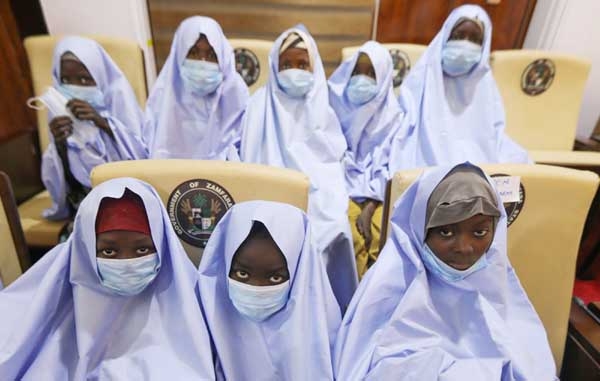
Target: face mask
(53, 100)
(128, 276)
(460, 56)
(90, 94)
(361, 89)
(258, 302)
(450, 274)
(295, 82)
(201, 77)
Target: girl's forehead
(364, 59)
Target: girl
(196, 105)
(288, 123)
(361, 93)
(443, 302)
(269, 307)
(116, 301)
(101, 122)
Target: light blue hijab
(180, 124)
(368, 128)
(453, 119)
(88, 146)
(407, 321)
(304, 134)
(58, 322)
(296, 343)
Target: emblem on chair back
(512, 208)
(401, 65)
(195, 207)
(538, 76)
(246, 63)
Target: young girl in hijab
(267, 301)
(289, 123)
(443, 302)
(196, 105)
(361, 93)
(116, 301)
(453, 108)
(100, 122)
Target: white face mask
(201, 77)
(53, 100)
(460, 56)
(295, 82)
(361, 89)
(449, 273)
(128, 276)
(90, 94)
(257, 303)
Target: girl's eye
(446, 233)
(286, 65)
(242, 274)
(64, 79)
(108, 252)
(276, 279)
(143, 250)
(480, 233)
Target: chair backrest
(404, 57)
(542, 93)
(543, 235)
(197, 193)
(126, 53)
(14, 257)
(252, 60)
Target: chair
(191, 189)
(542, 93)
(545, 231)
(14, 257)
(252, 61)
(40, 49)
(404, 56)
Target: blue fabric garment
(88, 146)
(368, 128)
(295, 343)
(181, 124)
(453, 119)
(304, 134)
(59, 322)
(408, 322)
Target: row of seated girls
(275, 296)
(120, 300)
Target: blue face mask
(361, 89)
(201, 77)
(257, 303)
(437, 267)
(295, 82)
(90, 94)
(460, 56)
(128, 276)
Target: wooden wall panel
(418, 21)
(333, 23)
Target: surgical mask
(201, 77)
(361, 89)
(446, 272)
(257, 303)
(460, 56)
(128, 277)
(295, 82)
(90, 94)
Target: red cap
(125, 213)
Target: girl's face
(460, 245)
(259, 262)
(202, 51)
(123, 244)
(467, 30)
(75, 73)
(294, 58)
(364, 66)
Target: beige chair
(405, 56)
(175, 182)
(14, 258)
(543, 239)
(542, 93)
(129, 57)
(252, 61)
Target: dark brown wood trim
(385, 219)
(14, 222)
